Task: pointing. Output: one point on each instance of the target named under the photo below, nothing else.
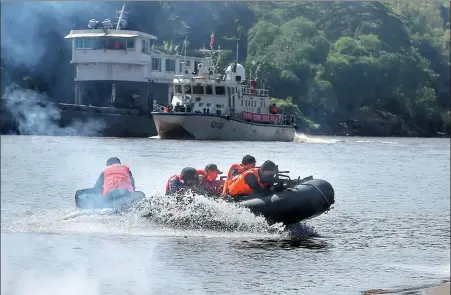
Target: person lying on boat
(208, 181)
(116, 180)
(254, 181)
(179, 184)
(248, 162)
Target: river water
(389, 228)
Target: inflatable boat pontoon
(298, 200)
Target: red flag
(212, 40)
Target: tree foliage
(338, 60)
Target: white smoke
(33, 114)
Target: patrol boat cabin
(230, 94)
(208, 105)
(121, 68)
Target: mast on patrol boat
(121, 23)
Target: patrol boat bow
(209, 106)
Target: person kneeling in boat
(256, 180)
(207, 180)
(248, 162)
(179, 184)
(116, 180)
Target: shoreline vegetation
(342, 68)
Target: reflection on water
(285, 244)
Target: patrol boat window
(220, 90)
(170, 65)
(130, 43)
(156, 64)
(83, 44)
(178, 89)
(198, 89)
(209, 89)
(187, 89)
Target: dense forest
(357, 68)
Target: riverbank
(374, 124)
(442, 289)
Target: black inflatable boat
(93, 199)
(296, 200)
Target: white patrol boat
(209, 106)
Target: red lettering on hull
(261, 118)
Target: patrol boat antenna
(121, 23)
(236, 57)
(185, 44)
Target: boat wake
(200, 212)
(84, 212)
(301, 137)
(193, 215)
(438, 270)
(304, 138)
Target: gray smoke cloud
(34, 114)
(33, 44)
(27, 26)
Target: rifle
(283, 180)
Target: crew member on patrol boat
(178, 184)
(255, 180)
(207, 178)
(247, 163)
(273, 109)
(115, 180)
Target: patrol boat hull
(304, 201)
(215, 127)
(93, 199)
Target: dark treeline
(364, 68)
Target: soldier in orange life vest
(247, 163)
(115, 180)
(255, 180)
(208, 181)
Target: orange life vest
(212, 186)
(116, 176)
(169, 180)
(205, 174)
(202, 172)
(238, 186)
(240, 169)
